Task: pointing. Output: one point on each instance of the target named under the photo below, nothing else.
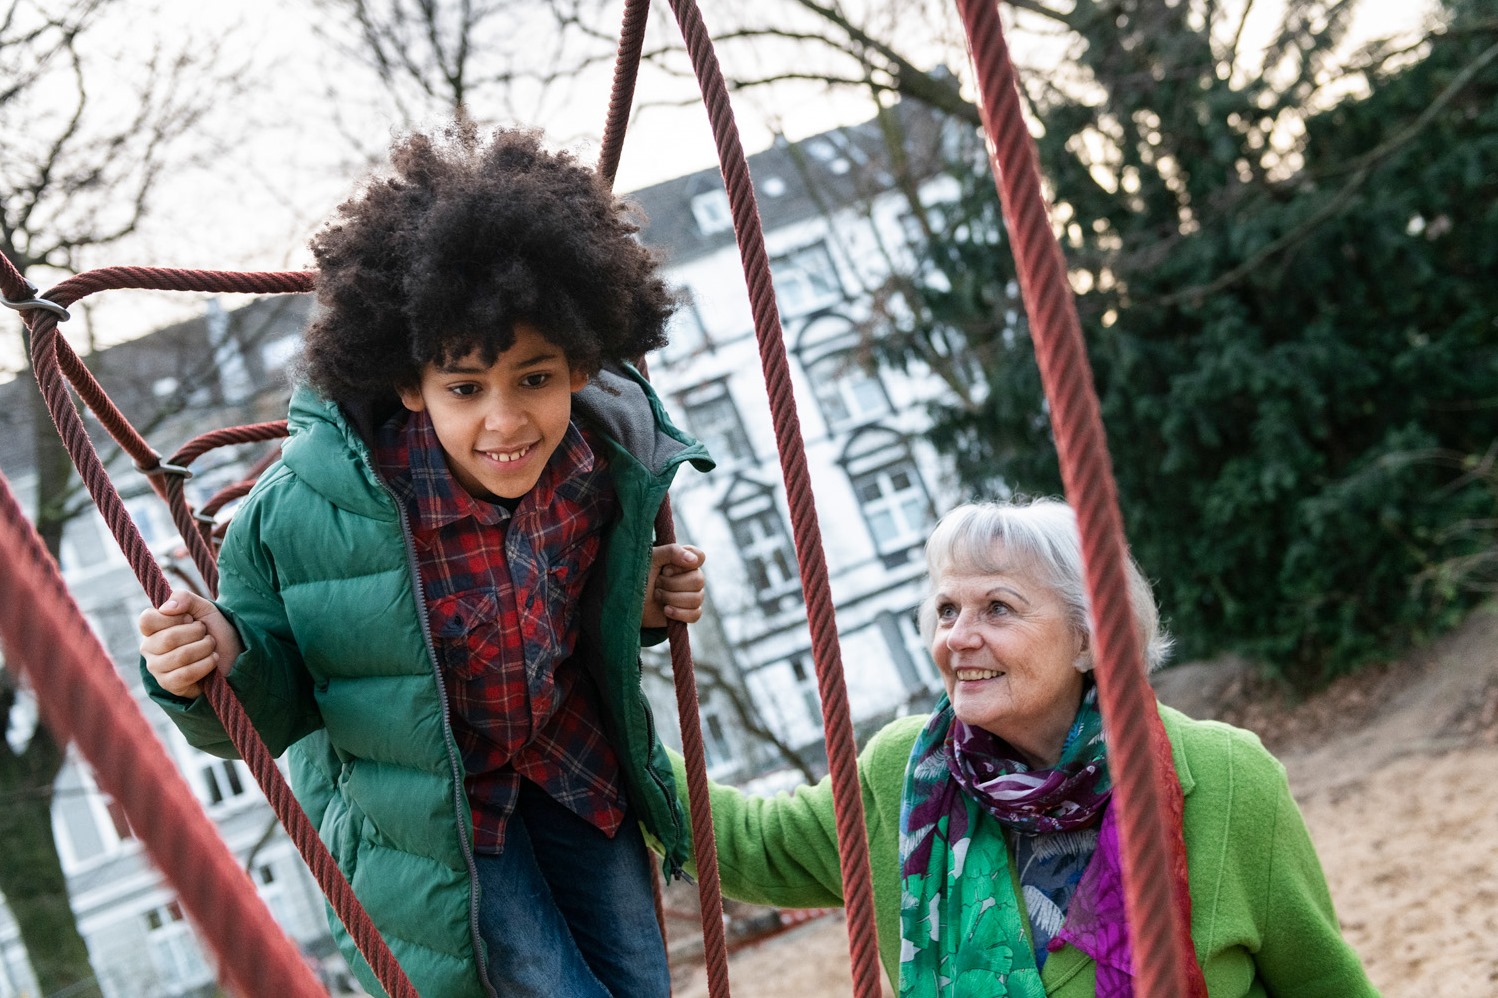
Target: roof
(795, 181)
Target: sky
(284, 152)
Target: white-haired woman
(992, 839)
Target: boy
(435, 600)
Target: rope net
(254, 955)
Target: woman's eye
(998, 609)
(464, 390)
(946, 612)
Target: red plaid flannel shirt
(502, 590)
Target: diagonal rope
(84, 701)
(853, 846)
(1161, 942)
(51, 358)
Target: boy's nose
(504, 419)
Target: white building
(834, 223)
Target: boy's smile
(499, 424)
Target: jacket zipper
(460, 796)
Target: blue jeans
(567, 912)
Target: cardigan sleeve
(782, 850)
(779, 850)
(1302, 951)
(269, 676)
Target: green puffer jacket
(318, 575)
(1261, 914)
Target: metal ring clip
(36, 301)
(163, 468)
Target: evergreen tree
(1290, 315)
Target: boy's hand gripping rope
(51, 359)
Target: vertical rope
(853, 847)
(1126, 700)
(626, 70)
(684, 676)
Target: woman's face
(1007, 653)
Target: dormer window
(711, 212)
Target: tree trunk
(31, 875)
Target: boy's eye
(463, 390)
(535, 380)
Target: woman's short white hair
(981, 537)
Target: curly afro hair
(464, 237)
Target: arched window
(891, 494)
(764, 544)
(848, 392)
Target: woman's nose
(962, 634)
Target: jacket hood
(330, 456)
(619, 402)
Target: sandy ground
(1395, 774)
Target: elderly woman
(992, 840)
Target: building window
(174, 952)
(714, 419)
(119, 819)
(221, 781)
(890, 494)
(686, 333)
(804, 670)
(847, 393)
(273, 892)
(764, 545)
(716, 746)
(805, 280)
(88, 546)
(154, 521)
(712, 213)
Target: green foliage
(1296, 351)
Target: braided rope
(853, 848)
(82, 699)
(626, 71)
(1086, 468)
(51, 357)
(684, 676)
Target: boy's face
(499, 424)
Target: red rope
(1161, 945)
(842, 757)
(51, 357)
(626, 70)
(684, 676)
(83, 700)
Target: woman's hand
(676, 587)
(185, 640)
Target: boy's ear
(579, 378)
(411, 399)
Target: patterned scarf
(961, 926)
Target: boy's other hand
(676, 587)
(184, 640)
